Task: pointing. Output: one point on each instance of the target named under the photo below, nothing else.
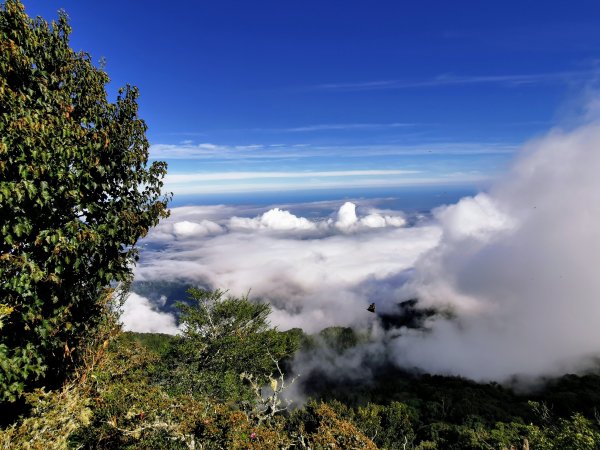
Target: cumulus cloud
(274, 219)
(140, 315)
(347, 220)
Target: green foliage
(76, 193)
(573, 393)
(576, 433)
(436, 398)
(438, 412)
(158, 343)
(135, 401)
(54, 417)
(318, 425)
(224, 339)
(133, 411)
(123, 401)
(388, 426)
(129, 408)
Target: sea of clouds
(517, 266)
(315, 273)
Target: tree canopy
(76, 194)
(224, 340)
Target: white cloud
(274, 219)
(208, 151)
(478, 217)
(316, 184)
(519, 267)
(346, 216)
(222, 182)
(223, 176)
(348, 220)
(187, 229)
(139, 315)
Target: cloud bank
(313, 271)
(516, 266)
(519, 266)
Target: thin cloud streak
(305, 128)
(340, 126)
(208, 151)
(453, 80)
(396, 181)
(223, 176)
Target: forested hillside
(222, 383)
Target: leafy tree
(226, 341)
(576, 433)
(76, 193)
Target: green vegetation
(224, 338)
(202, 390)
(218, 385)
(76, 194)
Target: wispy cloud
(337, 126)
(224, 176)
(200, 151)
(208, 151)
(219, 169)
(199, 186)
(306, 128)
(451, 80)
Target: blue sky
(275, 96)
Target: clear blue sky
(339, 93)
